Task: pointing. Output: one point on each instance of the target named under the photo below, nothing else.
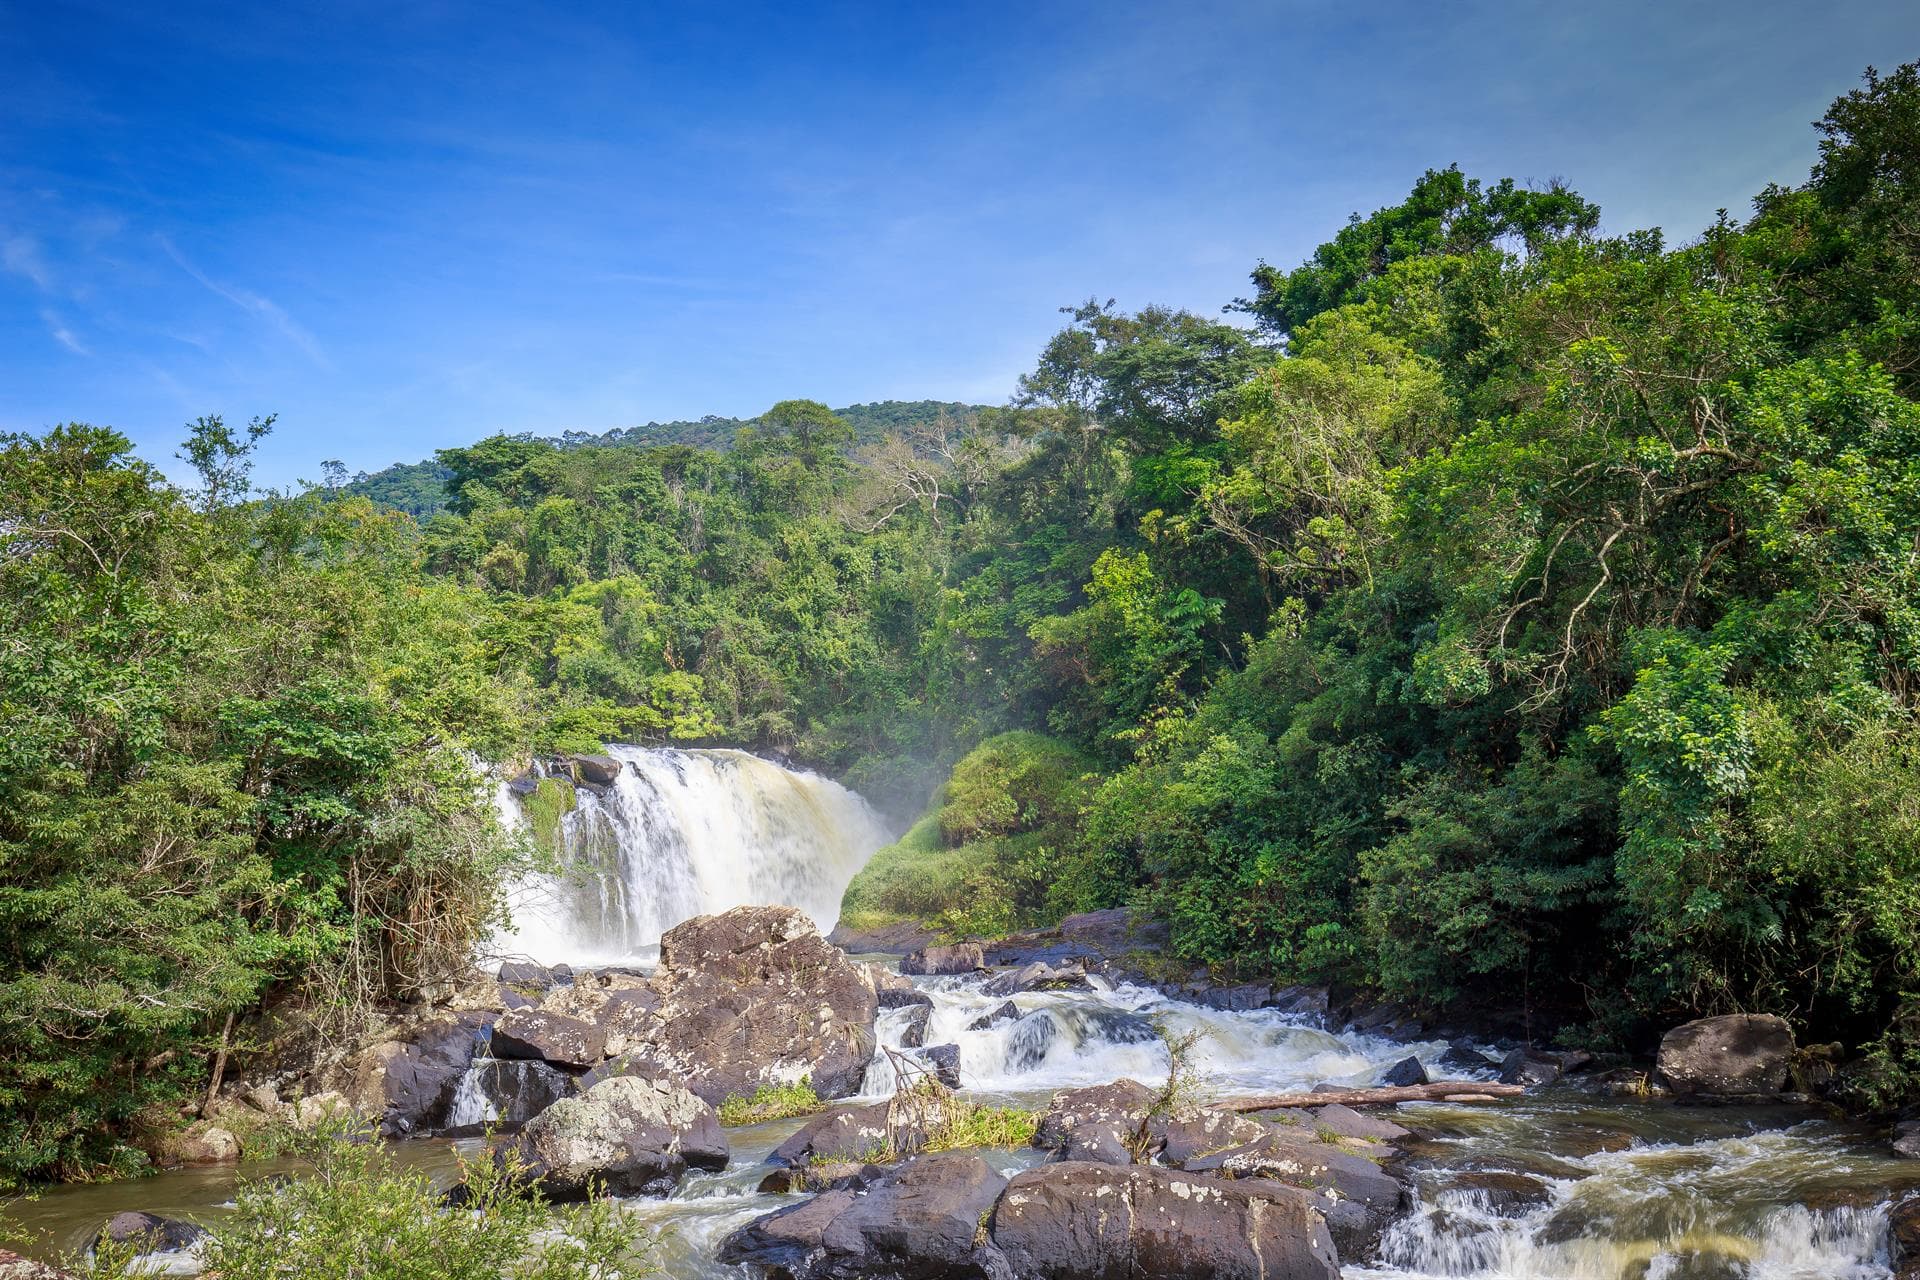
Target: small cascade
(686, 833)
(1663, 1210)
(502, 1094)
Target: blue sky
(402, 227)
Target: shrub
(360, 1217)
(770, 1102)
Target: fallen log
(1439, 1091)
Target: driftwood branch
(1440, 1091)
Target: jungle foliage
(1514, 611)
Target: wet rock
(1204, 1131)
(1038, 976)
(1906, 1139)
(549, 1037)
(627, 1135)
(925, 1219)
(914, 1033)
(149, 1233)
(1390, 1021)
(788, 1243)
(753, 997)
(1408, 1071)
(902, 999)
(1007, 1012)
(1095, 1222)
(1345, 1122)
(514, 1091)
(1461, 1056)
(1308, 1003)
(1903, 1238)
(1105, 1124)
(408, 1084)
(1299, 1161)
(963, 957)
(1508, 1195)
(1524, 1066)
(1734, 1055)
(825, 1175)
(881, 1132)
(843, 1134)
(599, 770)
(945, 1061)
(1246, 995)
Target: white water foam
(682, 834)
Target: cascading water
(687, 833)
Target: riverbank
(1572, 1179)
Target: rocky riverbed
(614, 1075)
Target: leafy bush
(359, 1216)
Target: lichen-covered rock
(1733, 1055)
(201, 1142)
(754, 997)
(1106, 1124)
(549, 1037)
(628, 1135)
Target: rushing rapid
(1629, 1190)
(687, 833)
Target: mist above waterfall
(687, 833)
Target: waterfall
(687, 833)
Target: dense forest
(420, 488)
(1488, 608)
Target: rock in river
(631, 1136)
(1734, 1055)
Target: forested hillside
(420, 488)
(1492, 607)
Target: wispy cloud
(62, 334)
(245, 299)
(21, 255)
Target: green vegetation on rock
(770, 1102)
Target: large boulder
(1734, 1055)
(409, 1083)
(1105, 1124)
(752, 997)
(1298, 1160)
(1094, 1222)
(596, 770)
(925, 1219)
(963, 957)
(1038, 976)
(627, 1135)
(549, 1037)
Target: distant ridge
(420, 488)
